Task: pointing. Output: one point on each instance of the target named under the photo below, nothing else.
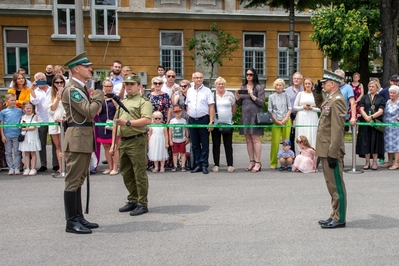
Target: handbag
(264, 118)
(22, 135)
(222, 130)
(379, 128)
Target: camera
(318, 87)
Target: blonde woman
(280, 109)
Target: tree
(290, 6)
(213, 51)
(339, 33)
(389, 38)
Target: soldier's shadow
(375, 222)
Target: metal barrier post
(62, 149)
(354, 170)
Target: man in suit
(79, 139)
(330, 148)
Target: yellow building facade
(146, 33)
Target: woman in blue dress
(391, 134)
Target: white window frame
(17, 51)
(256, 51)
(173, 49)
(56, 34)
(104, 8)
(283, 54)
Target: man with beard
(49, 74)
(116, 69)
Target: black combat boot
(73, 225)
(79, 211)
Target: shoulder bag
(21, 136)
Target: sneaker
(17, 172)
(56, 174)
(130, 206)
(26, 172)
(215, 169)
(139, 210)
(32, 172)
(230, 169)
(289, 169)
(282, 168)
(11, 172)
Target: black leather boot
(73, 225)
(79, 211)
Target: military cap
(132, 79)
(80, 59)
(328, 75)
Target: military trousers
(133, 167)
(77, 169)
(336, 188)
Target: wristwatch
(128, 123)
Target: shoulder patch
(76, 96)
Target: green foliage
(339, 33)
(213, 51)
(299, 5)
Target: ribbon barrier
(353, 170)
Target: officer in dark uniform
(79, 139)
(133, 145)
(330, 147)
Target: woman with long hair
(56, 114)
(252, 102)
(20, 89)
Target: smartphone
(243, 91)
(40, 82)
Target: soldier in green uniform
(79, 140)
(331, 149)
(133, 145)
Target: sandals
(250, 168)
(386, 165)
(394, 167)
(374, 167)
(367, 165)
(162, 170)
(154, 170)
(174, 169)
(257, 170)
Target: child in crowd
(31, 143)
(179, 137)
(158, 144)
(305, 162)
(9, 135)
(286, 156)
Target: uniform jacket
(330, 133)
(80, 139)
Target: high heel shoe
(250, 168)
(366, 166)
(257, 170)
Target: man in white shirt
(126, 70)
(40, 97)
(170, 87)
(200, 108)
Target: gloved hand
(332, 162)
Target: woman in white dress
(306, 113)
(57, 113)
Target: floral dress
(160, 103)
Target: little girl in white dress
(158, 144)
(31, 143)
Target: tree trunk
(292, 41)
(364, 65)
(389, 17)
(334, 65)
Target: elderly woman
(160, 101)
(280, 109)
(370, 141)
(391, 134)
(179, 98)
(106, 114)
(225, 107)
(306, 109)
(252, 102)
(20, 89)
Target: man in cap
(79, 139)
(330, 148)
(394, 80)
(131, 127)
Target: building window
(171, 52)
(15, 50)
(255, 53)
(104, 18)
(64, 18)
(284, 56)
